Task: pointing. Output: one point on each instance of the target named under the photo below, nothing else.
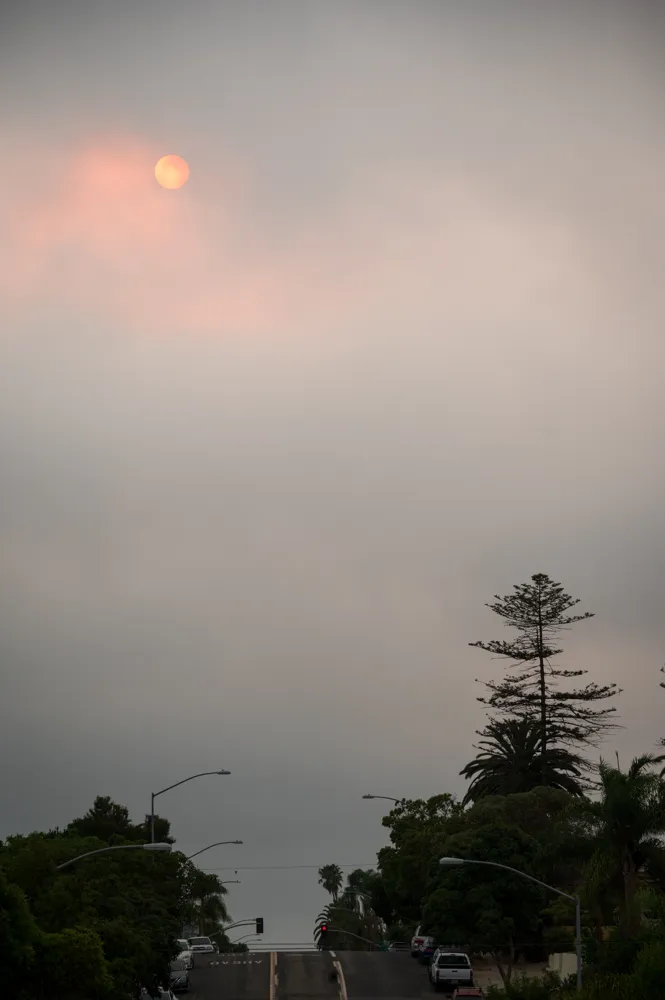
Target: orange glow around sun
(171, 171)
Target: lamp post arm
(184, 780)
(218, 844)
(516, 871)
(100, 850)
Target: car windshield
(178, 966)
(452, 961)
(195, 941)
(183, 944)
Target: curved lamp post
(217, 844)
(160, 848)
(454, 862)
(390, 798)
(168, 789)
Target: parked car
(416, 942)
(201, 946)
(399, 946)
(179, 977)
(185, 952)
(450, 969)
(427, 949)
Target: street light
(388, 797)
(217, 844)
(168, 789)
(232, 881)
(153, 848)
(454, 862)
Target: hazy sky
(269, 443)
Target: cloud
(87, 232)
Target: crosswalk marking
(238, 961)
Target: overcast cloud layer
(269, 443)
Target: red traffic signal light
(324, 928)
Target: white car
(416, 943)
(201, 946)
(185, 953)
(450, 969)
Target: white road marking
(272, 986)
(340, 978)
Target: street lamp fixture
(168, 788)
(218, 843)
(456, 862)
(160, 848)
(390, 798)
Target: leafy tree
(71, 965)
(539, 612)
(106, 820)
(18, 933)
(358, 890)
(332, 879)
(418, 830)
(109, 822)
(486, 909)
(649, 972)
(135, 902)
(511, 760)
(546, 815)
(628, 825)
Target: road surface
(307, 976)
(392, 975)
(231, 977)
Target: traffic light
(259, 925)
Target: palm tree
(511, 760)
(331, 878)
(207, 907)
(628, 824)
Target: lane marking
(337, 965)
(272, 985)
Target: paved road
(392, 975)
(307, 976)
(231, 977)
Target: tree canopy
(100, 926)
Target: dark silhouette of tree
(539, 611)
(108, 821)
(510, 761)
